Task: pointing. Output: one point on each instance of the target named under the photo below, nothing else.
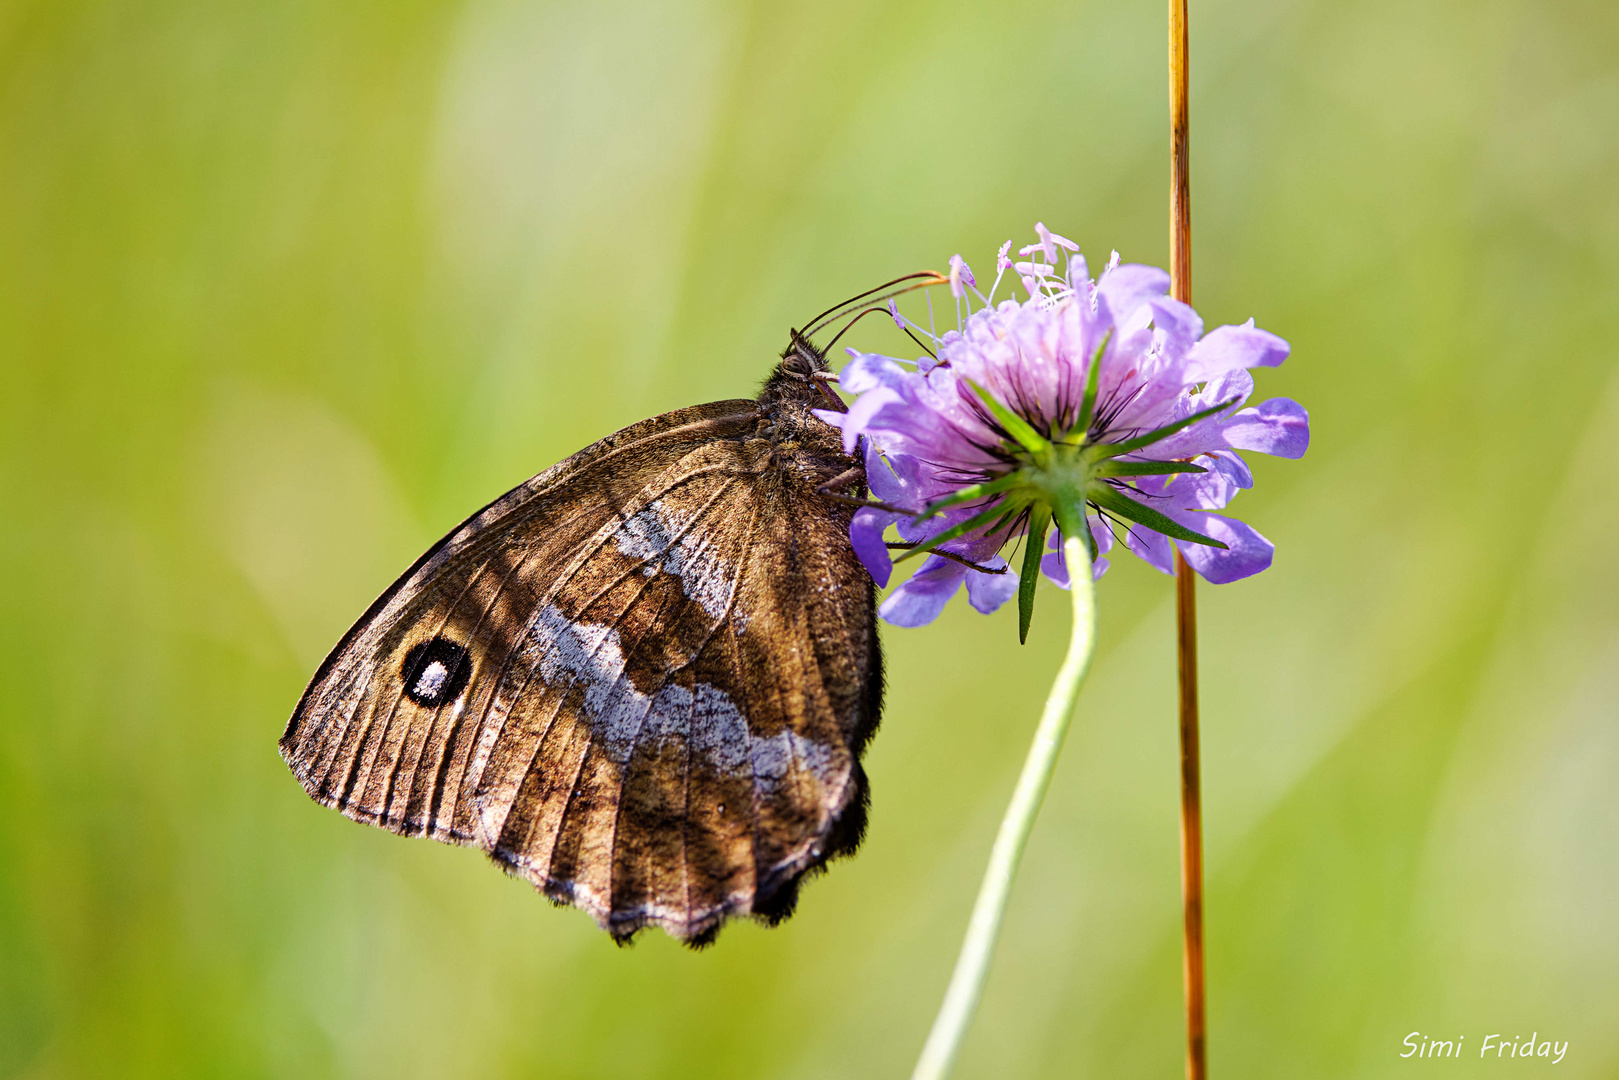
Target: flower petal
(895, 479)
(1246, 552)
(1055, 565)
(1208, 434)
(1055, 569)
(1179, 323)
(1152, 548)
(919, 600)
(987, 592)
(1229, 463)
(1279, 426)
(866, 537)
(866, 371)
(859, 416)
(1127, 287)
(1194, 491)
(1226, 348)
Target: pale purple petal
(1179, 323)
(1227, 462)
(1226, 348)
(861, 414)
(1206, 435)
(866, 537)
(1103, 534)
(1235, 386)
(1209, 490)
(1055, 569)
(867, 371)
(1152, 548)
(914, 412)
(987, 592)
(895, 479)
(919, 600)
(1079, 271)
(1127, 287)
(1279, 426)
(1246, 552)
(1055, 565)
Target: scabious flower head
(1099, 405)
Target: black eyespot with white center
(436, 672)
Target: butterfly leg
(968, 563)
(857, 474)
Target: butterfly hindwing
(602, 680)
(665, 750)
(642, 680)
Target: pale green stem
(967, 982)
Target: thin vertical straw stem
(1191, 824)
(1180, 277)
(1180, 190)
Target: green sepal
(1093, 380)
(954, 531)
(1090, 540)
(1115, 449)
(1115, 467)
(1015, 425)
(1033, 551)
(968, 494)
(1005, 520)
(1108, 498)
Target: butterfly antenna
(922, 279)
(861, 315)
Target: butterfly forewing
(477, 587)
(642, 680)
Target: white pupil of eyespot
(431, 680)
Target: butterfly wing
(624, 680)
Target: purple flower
(1101, 406)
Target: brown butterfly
(643, 680)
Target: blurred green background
(287, 289)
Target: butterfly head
(801, 359)
(800, 379)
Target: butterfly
(642, 681)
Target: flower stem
(972, 965)
(1180, 273)
(1197, 1067)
